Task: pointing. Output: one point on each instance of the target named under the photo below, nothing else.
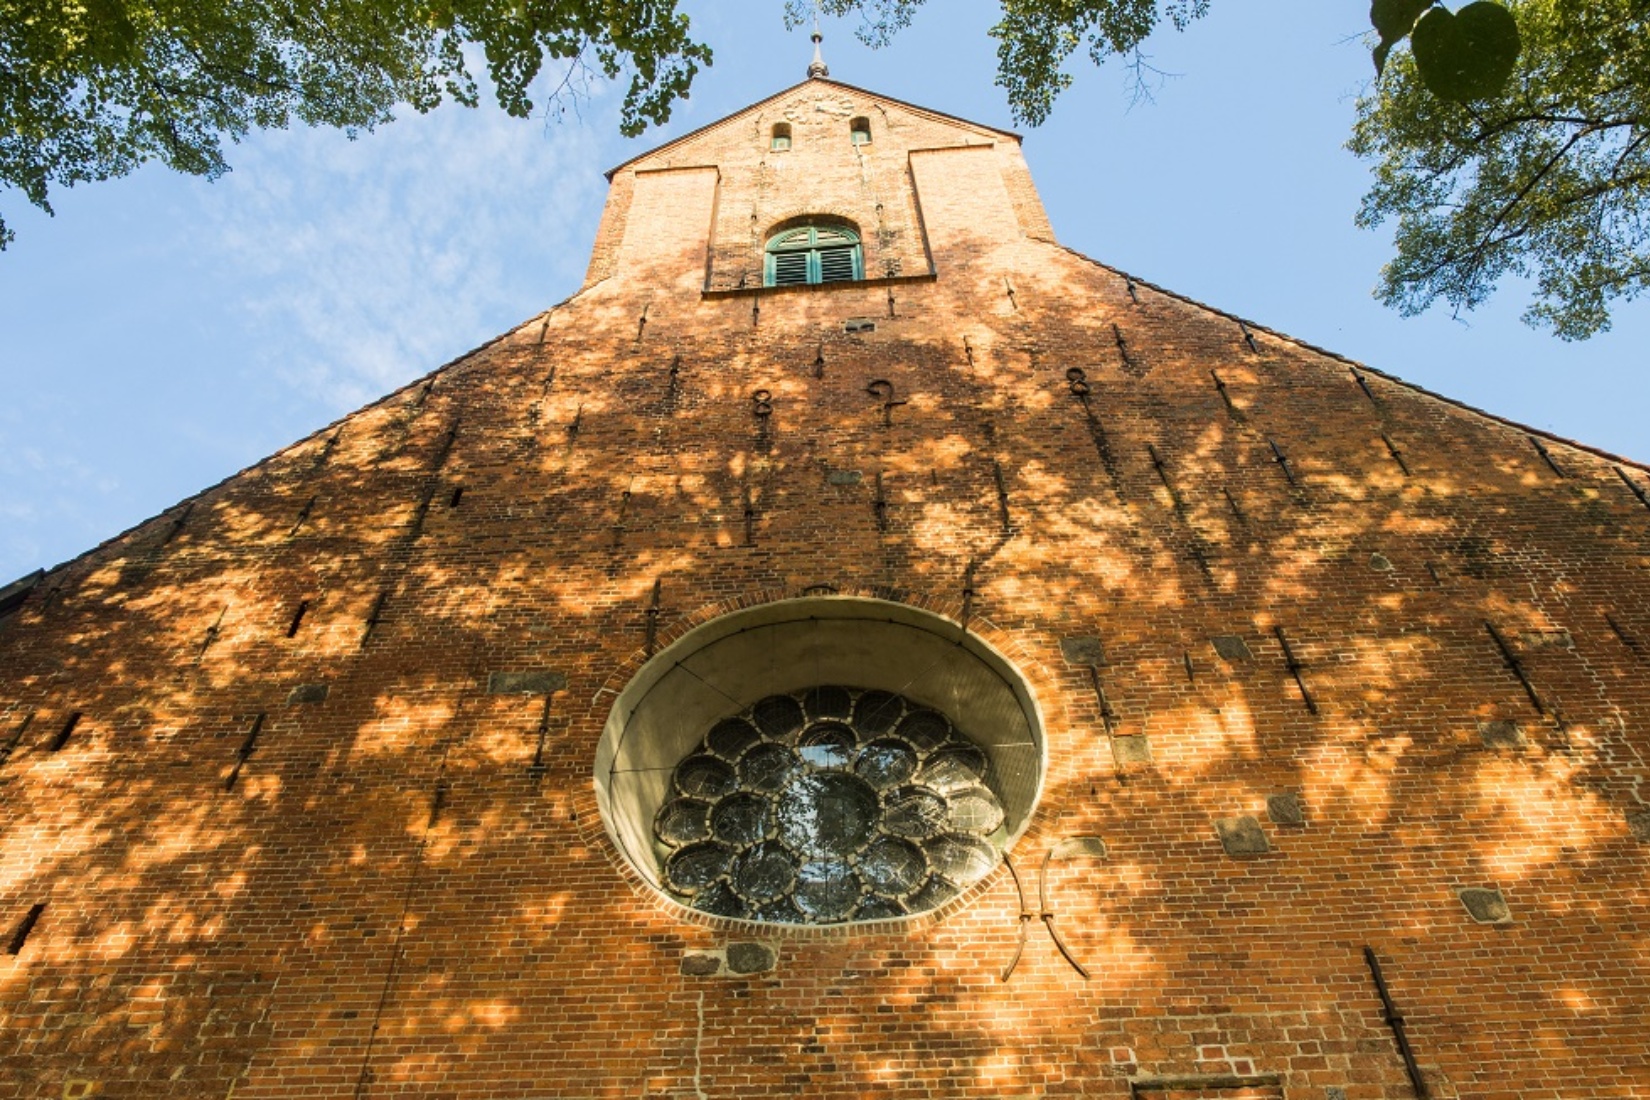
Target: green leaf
(1469, 55)
(1393, 20)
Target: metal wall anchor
(883, 390)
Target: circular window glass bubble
(828, 703)
(875, 712)
(933, 894)
(827, 891)
(963, 860)
(886, 763)
(705, 777)
(827, 745)
(778, 717)
(827, 814)
(976, 812)
(768, 768)
(697, 866)
(915, 812)
(718, 899)
(764, 874)
(893, 867)
(741, 819)
(926, 730)
(781, 911)
(879, 908)
(682, 822)
(953, 768)
(730, 738)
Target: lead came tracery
(830, 805)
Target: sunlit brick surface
(405, 889)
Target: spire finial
(817, 67)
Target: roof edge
(1600, 452)
(707, 127)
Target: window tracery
(829, 805)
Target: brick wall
(1408, 642)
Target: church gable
(907, 680)
(820, 151)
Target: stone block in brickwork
(1485, 906)
(1285, 809)
(751, 958)
(542, 682)
(1131, 749)
(701, 964)
(1083, 651)
(739, 959)
(1242, 837)
(1638, 824)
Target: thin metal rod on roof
(817, 68)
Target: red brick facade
(294, 837)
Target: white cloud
(368, 263)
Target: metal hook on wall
(883, 390)
(1072, 845)
(1078, 381)
(1087, 845)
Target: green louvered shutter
(836, 265)
(813, 254)
(789, 268)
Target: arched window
(813, 253)
(859, 131)
(781, 137)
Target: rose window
(827, 805)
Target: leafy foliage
(90, 89)
(1035, 38)
(1550, 180)
(1512, 138)
(1463, 55)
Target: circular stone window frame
(723, 666)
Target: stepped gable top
(814, 82)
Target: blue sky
(163, 332)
